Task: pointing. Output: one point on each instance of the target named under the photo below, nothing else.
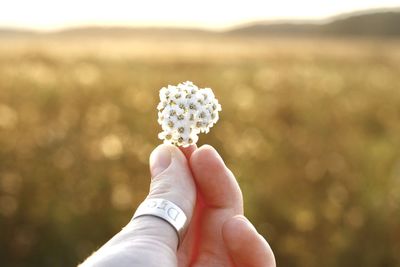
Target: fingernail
(160, 159)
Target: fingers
(215, 181)
(245, 246)
(188, 151)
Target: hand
(198, 181)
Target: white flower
(185, 111)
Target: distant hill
(94, 31)
(372, 23)
(8, 32)
(369, 24)
(101, 31)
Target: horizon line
(184, 26)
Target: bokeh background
(310, 126)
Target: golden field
(310, 127)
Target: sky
(214, 14)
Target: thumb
(149, 239)
(171, 179)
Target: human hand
(198, 181)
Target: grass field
(310, 127)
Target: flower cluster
(185, 111)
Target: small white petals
(185, 111)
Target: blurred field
(310, 127)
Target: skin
(198, 181)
